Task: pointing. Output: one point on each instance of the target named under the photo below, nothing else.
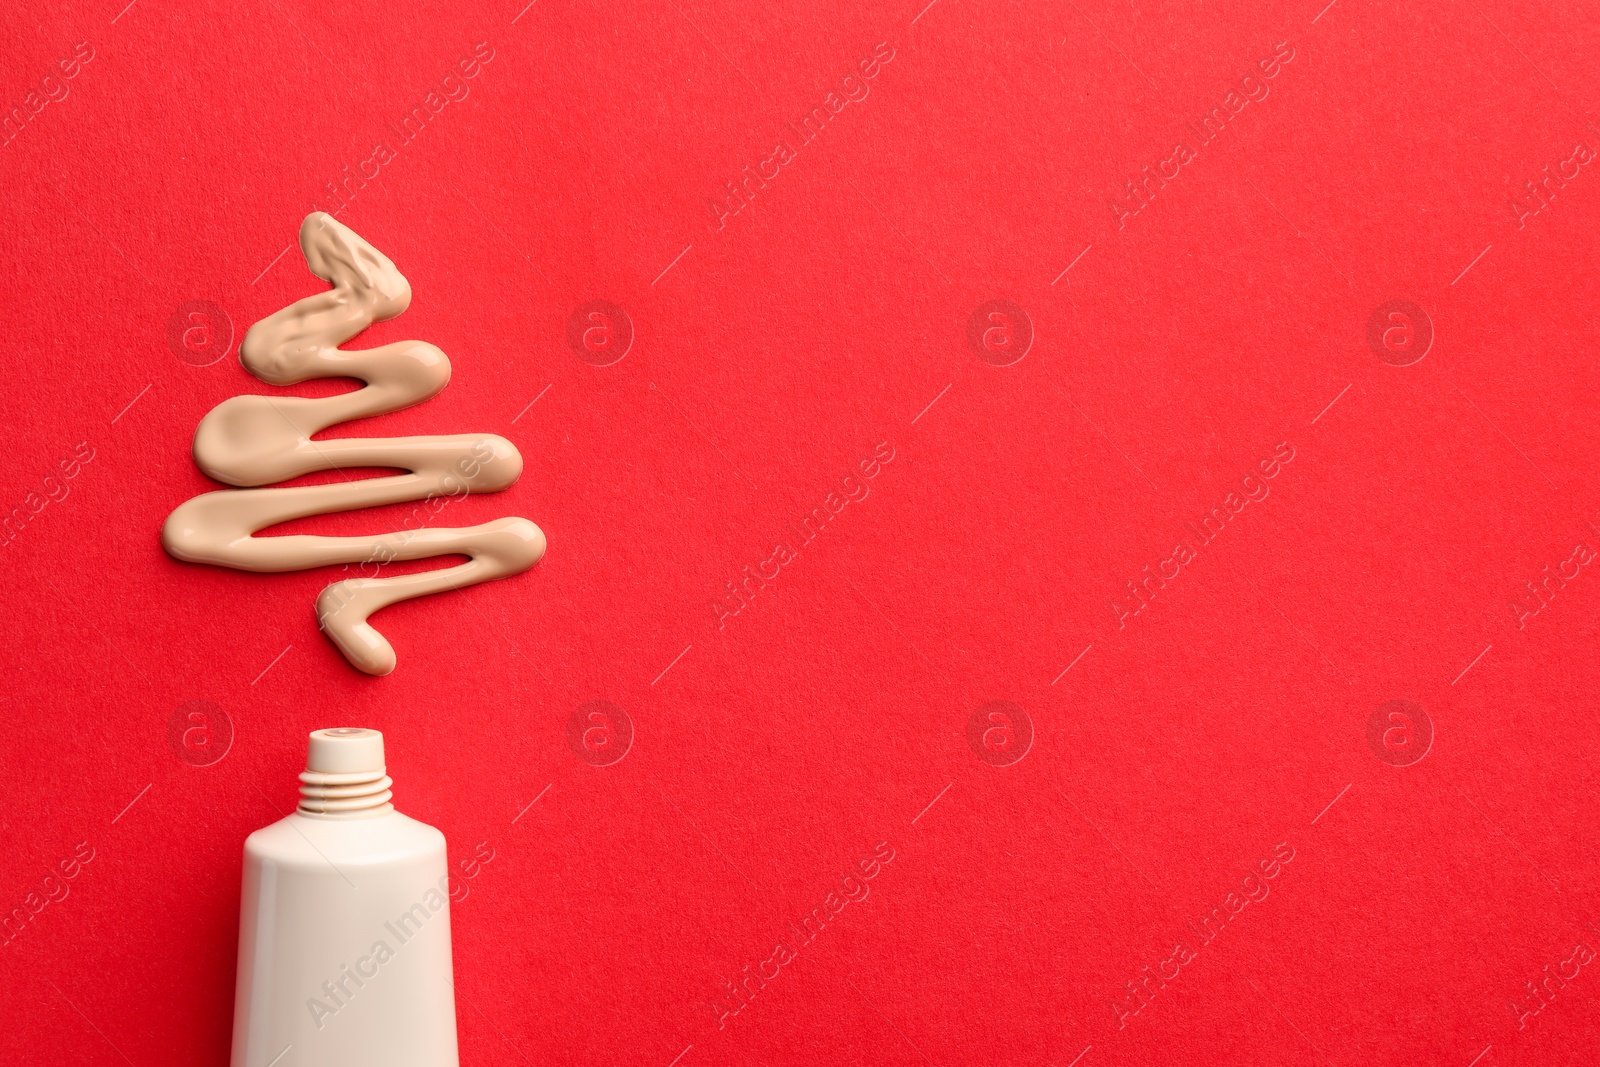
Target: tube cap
(345, 750)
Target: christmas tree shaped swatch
(255, 440)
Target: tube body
(344, 944)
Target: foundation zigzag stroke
(253, 441)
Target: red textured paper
(1177, 753)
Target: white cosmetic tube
(344, 925)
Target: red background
(773, 752)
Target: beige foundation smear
(258, 440)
